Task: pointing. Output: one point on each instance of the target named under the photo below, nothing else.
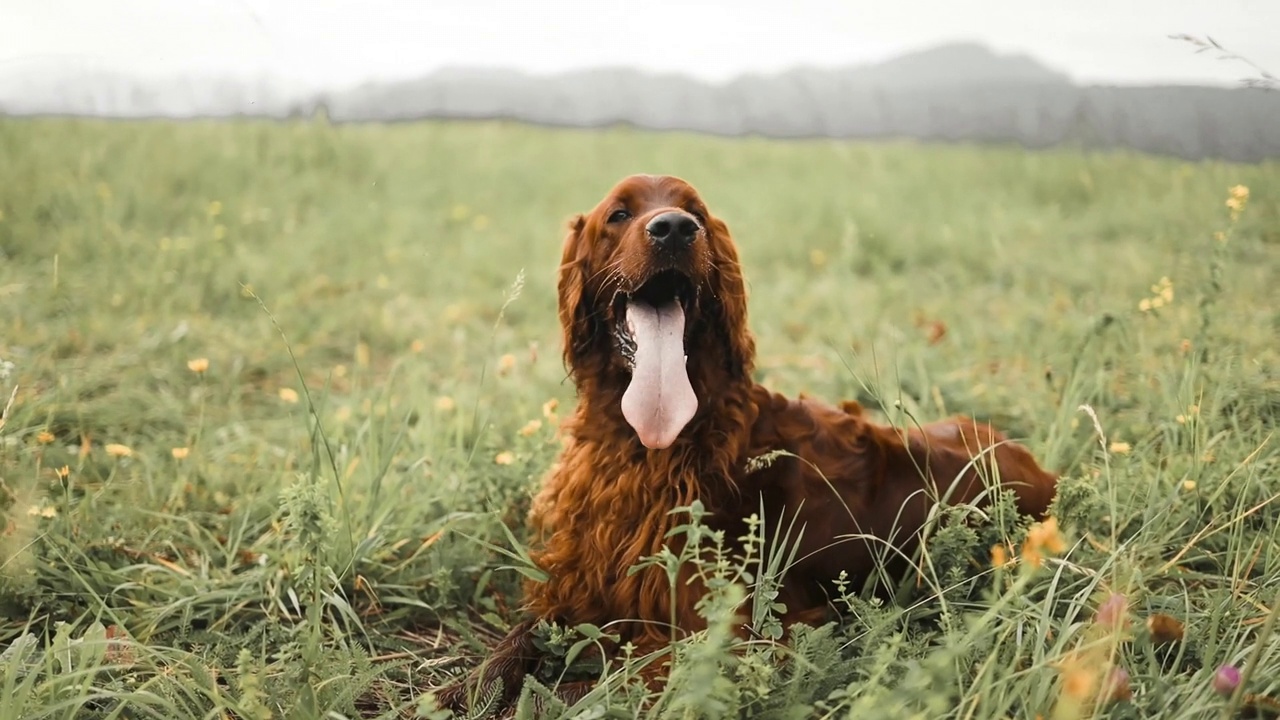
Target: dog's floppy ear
(575, 307)
(730, 299)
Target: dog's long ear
(575, 307)
(730, 299)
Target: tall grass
(278, 408)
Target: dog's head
(653, 304)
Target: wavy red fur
(862, 490)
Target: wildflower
(506, 457)
(417, 346)
(6, 369)
(289, 395)
(1226, 679)
(1077, 681)
(530, 428)
(459, 213)
(47, 511)
(219, 231)
(1188, 485)
(1113, 612)
(549, 408)
(1240, 192)
(198, 365)
(1220, 236)
(1117, 687)
(1164, 629)
(45, 437)
(118, 450)
(999, 555)
(64, 472)
(180, 453)
(382, 281)
(444, 403)
(480, 222)
(817, 258)
(1144, 304)
(214, 209)
(1042, 537)
(1185, 346)
(1121, 448)
(506, 364)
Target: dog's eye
(618, 216)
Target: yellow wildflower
(549, 408)
(180, 453)
(198, 365)
(506, 457)
(530, 428)
(118, 450)
(45, 437)
(444, 403)
(64, 472)
(214, 209)
(999, 556)
(417, 346)
(1042, 537)
(289, 395)
(1121, 448)
(506, 364)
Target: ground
(278, 395)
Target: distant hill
(958, 92)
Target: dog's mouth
(650, 332)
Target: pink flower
(1226, 679)
(1114, 611)
(1117, 688)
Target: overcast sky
(343, 42)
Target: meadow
(277, 396)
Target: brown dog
(654, 312)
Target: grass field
(184, 538)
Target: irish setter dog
(653, 309)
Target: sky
(340, 43)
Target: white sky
(343, 42)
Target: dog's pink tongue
(659, 402)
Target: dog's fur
(856, 487)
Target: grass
(280, 390)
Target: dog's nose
(674, 230)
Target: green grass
(298, 564)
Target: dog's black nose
(674, 230)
